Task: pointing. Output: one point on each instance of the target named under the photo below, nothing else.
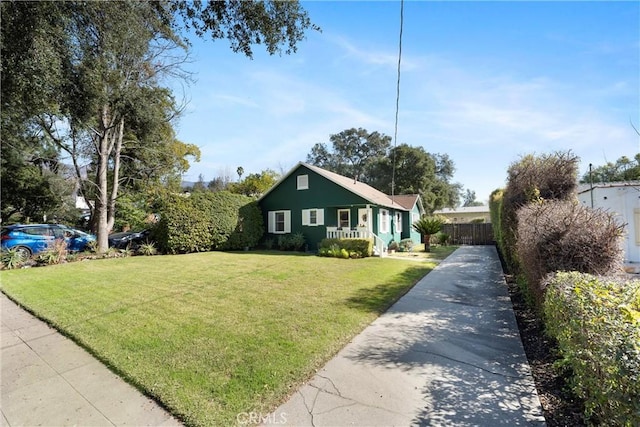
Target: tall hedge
(495, 210)
(533, 178)
(207, 221)
(596, 322)
(557, 235)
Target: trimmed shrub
(206, 221)
(355, 248)
(183, 227)
(291, 242)
(534, 178)
(566, 236)
(596, 322)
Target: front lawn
(212, 335)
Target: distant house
(623, 199)
(320, 204)
(465, 214)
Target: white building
(465, 214)
(622, 199)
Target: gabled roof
(361, 189)
(408, 201)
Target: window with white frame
(414, 217)
(398, 221)
(303, 182)
(279, 222)
(344, 218)
(383, 225)
(312, 217)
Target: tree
(240, 172)
(426, 226)
(108, 61)
(255, 184)
(416, 172)
(624, 169)
(352, 153)
(469, 199)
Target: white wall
(624, 202)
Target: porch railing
(379, 248)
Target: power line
(395, 130)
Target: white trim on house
(383, 221)
(302, 182)
(398, 222)
(277, 218)
(346, 224)
(312, 217)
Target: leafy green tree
(624, 169)
(416, 172)
(469, 199)
(352, 152)
(255, 184)
(426, 226)
(87, 73)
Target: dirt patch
(559, 405)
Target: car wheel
(23, 252)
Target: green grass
(214, 334)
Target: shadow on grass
(271, 252)
(379, 298)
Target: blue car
(30, 239)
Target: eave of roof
(361, 189)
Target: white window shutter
(271, 228)
(306, 216)
(287, 221)
(320, 216)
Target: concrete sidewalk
(47, 380)
(446, 354)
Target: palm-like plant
(426, 226)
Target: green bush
(442, 238)
(566, 236)
(11, 258)
(355, 248)
(291, 242)
(596, 322)
(206, 221)
(405, 245)
(183, 226)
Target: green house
(319, 204)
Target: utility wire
(395, 131)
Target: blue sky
(484, 82)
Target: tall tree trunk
(111, 211)
(108, 137)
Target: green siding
(321, 194)
(325, 194)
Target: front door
(364, 218)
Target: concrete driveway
(446, 354)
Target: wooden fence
(469, 234)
